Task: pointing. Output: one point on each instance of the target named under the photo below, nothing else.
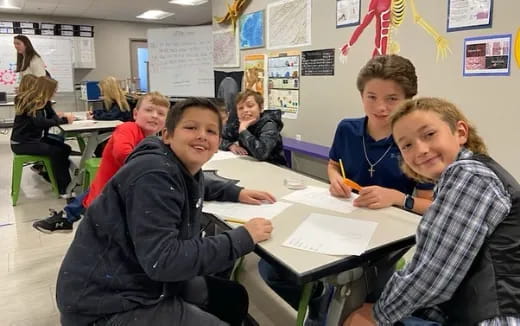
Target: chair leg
(16, 180)
(50, 171)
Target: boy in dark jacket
(256, 132)
(138, 258)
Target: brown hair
(449, 113)
(390, 67)
(176, 113)
(242, 96)
(23, 60)
(28, 81)
(154, 97)
(35, 98)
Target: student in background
(465, 267)
(31, 125)
(256, 132)
(222, 109)
(115, 105)
(149, 118)
(28, 61)
(138, 258)
(371, 159)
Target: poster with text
(347, 13)
(469, 14)
(487, 55)
(284, 83)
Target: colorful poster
(225, 49)
(347, 13)
(487, 55)
(469, 14)
(284, 84)
(255, 73)
(252, 30)
(288, 24)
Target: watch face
(408, 203)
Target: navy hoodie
(140, 239)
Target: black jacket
(262, 139)
(114, 113)
(29, 129)
(140, 239)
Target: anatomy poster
(284, 84)
(466, 14)
(487, 55)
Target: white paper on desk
(84, 122)
(321, 198)
(332, 235)
(223, 155)
(244, 212)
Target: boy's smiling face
(427, 142)
(195, 138)
(150, 117)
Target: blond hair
(28, 81)
(112, 93)
(156, 98)
(35, 98)
(450, 114)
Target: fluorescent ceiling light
(9, 4)
(188, 2)
(155, 14)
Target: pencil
(347, 181)
(232, 220)
(342, 169)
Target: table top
(90, 125)
(396, 227)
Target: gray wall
(112, 43)
(490, 102)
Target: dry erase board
(56, 52)
(181, 61)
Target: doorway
(139, 63)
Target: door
(139, 64)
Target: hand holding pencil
(259, 229)
(341, 186)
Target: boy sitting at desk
(138, 258)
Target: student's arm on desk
(228, 191)
(375, 197)
(260, 146)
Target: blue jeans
(75, 208)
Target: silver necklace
(371, 169)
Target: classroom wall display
(56, 52)
(233, 13)
(284, 84)
(181, 61)
(225, 49)
(227, 86)
(348, 13)
(384, 43)
(469, 14)
(255, 73)
(487, 55)
(252, 30)
(318, 63)
(288, 24)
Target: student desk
(95, 131)
(394, 235)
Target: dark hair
(242, 96)
(220, 104)
(390, 67)
(176, 113)
(23, 60)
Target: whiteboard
(181, 61)
(56, 52)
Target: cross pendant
(371, 171)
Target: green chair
(91, 167)
(19, 161)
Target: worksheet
(321, 198)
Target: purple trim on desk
(314, 150)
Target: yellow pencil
(342, 169)
(232, 220)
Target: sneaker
(54, 223)
(319, 306)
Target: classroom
(300, 64)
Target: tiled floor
(29, 260)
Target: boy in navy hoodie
(138, 258)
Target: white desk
(395, 231)
(95, 132)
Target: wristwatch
(408, 202)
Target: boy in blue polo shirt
(371, 159)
